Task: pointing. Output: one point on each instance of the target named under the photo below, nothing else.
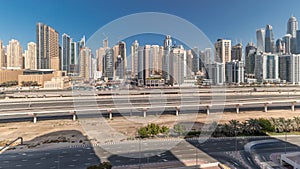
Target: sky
(230, 19)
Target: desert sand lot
(75, 131)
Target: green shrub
(266, 125)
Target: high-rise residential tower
(292, 26)
(223, 51)
(66, 53)
(298, 42)
(47, 41)
(108, 64)
(250, 53)
(120, 59)
(269, 40)
(85, 64)
(14, 54)
(260, 40)
(287, 39)
(237, 52)
(30, 56)
(2, 56)
(134, 58)
(166, 61)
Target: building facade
(14, 55)
(260, 40)
(234, 72)
(47, 41)
(30, 56)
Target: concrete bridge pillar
(207, 109)
(34, 115)
(145, 111)
(177, 110)
(293, 106)
(266, 107)
(110, 113)
(237, 108)
(74, 115)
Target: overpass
(144, 107)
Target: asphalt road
(229, 151)
(52, 157)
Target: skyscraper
(289, 68)
(189, 63)
(73, 57)
(237, 52)
(250, 53)
(66, 53)
(266, 67)
(195, 66)
(47, 41)
(166, 61)
(287, 43)
(140, 66)
(280, 46)
(30, 56)
(156, 60)
(298, 42)
(134, 58)
(260, 40)
(108, 64)
(269, 40)
(14, 54)
(120, 59)
(147, 61)
(234, 72)
(86, 64)
(177, 55)
(2, 56)
(100, 55)
(223, 51)
(292, 26)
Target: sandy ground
(75, 131)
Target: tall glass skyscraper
(65, 56)
(292, 26)
(260, 40)
(166, 61)
(269, 40)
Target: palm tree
(228, 130)
(282, 123)
(276, 124)
(297, 122)
(253, 126)
(235, 124)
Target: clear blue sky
(233, 19)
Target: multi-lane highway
(125, 104)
